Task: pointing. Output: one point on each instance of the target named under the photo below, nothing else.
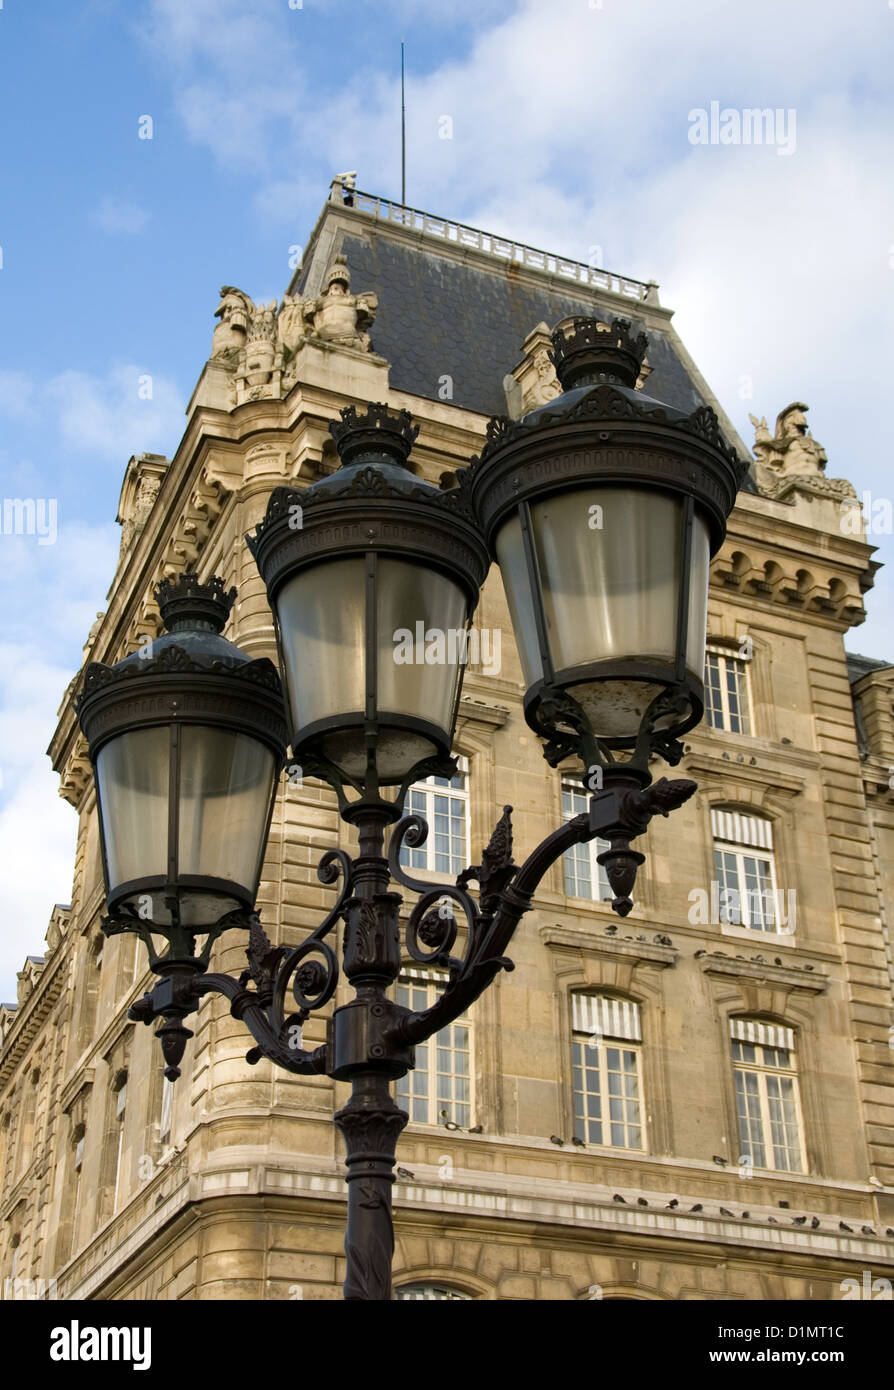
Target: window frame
(429, 788)
(742, 850)
(763, 1070)
(583, 1036)
(433, 983)
(729, 655)
(591, 848)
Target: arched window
(745, 871)
(439, 1292)
(768, 1106)
(606, 1071)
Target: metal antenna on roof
(403, 133)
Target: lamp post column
(370, 1123)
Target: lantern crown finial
(587, 351)
(185, 602)
(373, 432)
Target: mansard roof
(458, 302)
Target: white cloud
(16, 394)
(130, 410)
(118, 216)
(49, 597)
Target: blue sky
(570, 130)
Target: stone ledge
(571, 938)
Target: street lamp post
(610, 623)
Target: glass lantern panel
(610, 569)
(322, 620)
(132, 774)
(226, 783)
(422, 640)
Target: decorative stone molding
(76, 773)
(757, 972)
(820, 589)
(739, 778)
(627, 952)
(143, 478)
(536, 375)
(473, 711)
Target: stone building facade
(746, 1040)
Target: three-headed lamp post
(602, 510)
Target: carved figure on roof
(792, 449)
(235, 312)
(337, 316)
(791, 457)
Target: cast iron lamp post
(610, 623)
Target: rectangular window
(767, 1103)
(439, 1090)
(744, 871)
(444, 803)
(167, 1111)
(726, 692)
(584, 876)
(606, 1071)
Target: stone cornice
(563, 937)
(477, 712)
(725, 768)
(799, 981)
(31, 1015)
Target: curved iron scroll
(310, 968)
(505, 893)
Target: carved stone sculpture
(536, 375)
(235, 313)
(257, 343)
(791, 458)
(337, 316)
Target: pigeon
(661, 940)
(405, 1173)
(477, 1129)
(699, 954)
(641, 1202)
(554, 1139)
(783, 1204)
(772, 1220)
(717, 1159)
(759, 959)
(777, 960)
(611, 931)
(579, 1142)
(450, 1124)
(698, 1207)
(724, 1212)
(867, 1230)
(798, 1220)
(814, 1223)
(616, 1198)
(746, 1215)
(674, 1202)
(842, 1227)
(888, 1231)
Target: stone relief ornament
(258, 342)
(791, 459)
(536, 375)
